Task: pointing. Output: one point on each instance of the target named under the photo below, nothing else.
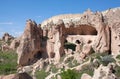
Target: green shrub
(69, 45)
(75, 63)
(53, 68)
(8, 62)
(117, 71)
(105, 60)
(98, 55)
(70, 64)
(89, 69)
(69, 59)
(69, 74)
(41, 74)
(1, 42)
(118, 57)
(73, 74)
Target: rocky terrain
(69, 46)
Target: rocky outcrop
(5, 47)
(29, 49)
(6, 42)
(97, 31)
(17, 76)
(86, 76)
(86, 24)
(6, 37)
(112, 17)
(14, 44)
(55, 42)
(104, 72)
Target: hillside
(69, 46)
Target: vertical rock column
(113, 21)
(29, 46)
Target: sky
(14, 13)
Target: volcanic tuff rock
(103, 72)
(86, 24)
(15, 43)
(112, 18)
(86, 76)
(6, 37)
(29, 49)
(6, 41)
(98, 31)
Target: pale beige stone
(85, 76)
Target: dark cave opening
(38, 55)
(82, 30)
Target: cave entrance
(52, 54)
(81, 33)
(38, 55)
(81, 30)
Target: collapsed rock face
(30, 44)
(95, 31)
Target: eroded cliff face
(29, 49)
(98, 31)
(112, 19)
(89, 23)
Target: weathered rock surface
(112, 18)
(86, 24)
(98, 31)
(6, 41)
(6, 37)
(29, 49)
(14, 44)
(5, 47)
(85, 76)
(17, 76)
(103, 72)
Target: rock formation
(98, 31)
(17, 76)
(112, 17)
(15, 43)
(6, 37)
(86, 76)
(29, 49)
(6, 41)
(103, 73)
(5, 47)
(86, 24)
